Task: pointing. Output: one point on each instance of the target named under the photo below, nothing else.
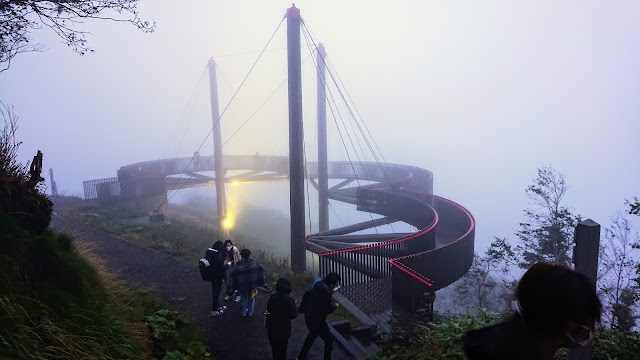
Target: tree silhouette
(547, 232)
(18, 18)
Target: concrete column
(323, 179)
(296, 137)
(217, 149)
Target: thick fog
(479, 93)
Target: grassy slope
(55, 304)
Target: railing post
(585, 258)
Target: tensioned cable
(306, 175)
(341, 119)
(357, 111)
(247, 53)
(226, 107)
(348, 107)
(336, 214)
(252, 115)
(195, 95)
(330, 65)
(306, 34)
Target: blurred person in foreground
(554, 306)
(281, 309)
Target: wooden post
(585, 258)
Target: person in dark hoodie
(219, 267)
(555, 307)
(316, 309)
(281, 308)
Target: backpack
(206, 270)
(306, 298)
(305, 302)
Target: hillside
(56, 304)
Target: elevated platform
(378, 270)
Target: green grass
(438, 340)
(55, 304)
(177, 237)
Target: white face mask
(586, 340)
(228, 248)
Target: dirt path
(178, 282)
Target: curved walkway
(177, 281)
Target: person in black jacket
(555, 307)
(219, 267)
(281, 308)
(317, 308)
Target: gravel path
(178, 282)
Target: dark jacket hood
(218, 246)
(283, 286)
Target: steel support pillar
(296, 137)
(217, 150)
(323, 179)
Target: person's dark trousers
(279, 348)
(216, 287)
(317, 329)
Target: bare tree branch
(18, 18)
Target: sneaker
(217, 312)
(237, 300)
(222, 308)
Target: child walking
(281, 308)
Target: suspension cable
(251, 116)
(193, 98)
(306, 175)
(335, 71)
(377, 160)
(226, 107)
(305, 26)
(306, 34)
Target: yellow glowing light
(228, 222)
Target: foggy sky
(481, 94)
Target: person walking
(231, 254)
(219, 267)
(281, 309)
(316, 306)
(247, 275)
